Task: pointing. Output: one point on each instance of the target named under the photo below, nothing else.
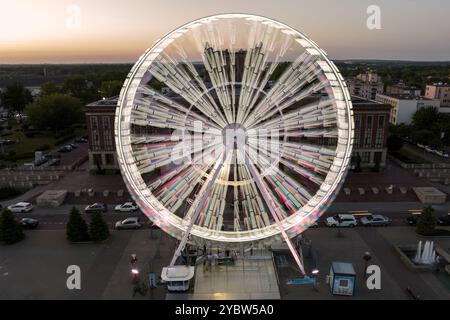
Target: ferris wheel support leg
(198, 204)
(272, 209)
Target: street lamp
(367, 257)
(314, 273)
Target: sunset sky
(47, 31)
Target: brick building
(371, 131)
(100, 125)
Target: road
(56, 218)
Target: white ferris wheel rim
(176, 226)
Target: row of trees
(59, 106)
(77, 230)
(428, 127)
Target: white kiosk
(178, 278)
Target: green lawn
(26, 146)
(408, 157)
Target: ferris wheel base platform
(249, 278)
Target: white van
(341, 220)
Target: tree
(56, 112)
(10, 231)
(394, 143)
(76, 228)
(426, 222)
(110, 88)
(79, 87)
(424, 118)
(15, 98)
(49, 88)
(98, 229)
(423, 136)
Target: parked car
(21, 207)
(29, 223)
(65, 149)
(54, 162)
(375, 220)
(73, 145)
(412, 221)
(96, 207)
(444, 220)
(341, 220)
(40, 161)
(126, 207)
(81, 140)
(128, 223)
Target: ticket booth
(342, 279)
(178, 278)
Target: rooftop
(105, 102)
(440, 84)
(360, 102)
(343, 268)
(403, 96)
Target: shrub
(10, 231)
(10, 192)
(43, 148)
(98, 229)
(76, 228)
(426, 222)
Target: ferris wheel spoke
(292, 79)
(165, 70)
(176, 190)
(212, 214)
(290, 192)
(162, 117)
(255, 213)
(275, 209)
(282, 104)
(153, 99)
(148, 159)
(314, 114)
(314, 157)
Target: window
(343, 283)
(365, 157)
(94, 123)
(95, 141)
(379, 138)
(97, 159)
(368, 133)
(357, 130)
(95, 138)
(109, 158)
(107, 134)
(106, 123)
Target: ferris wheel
(232, 129)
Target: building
(402, 88)
(440, 91)
(371, 132)
(404, 106)
(365, 85)
(100, 126)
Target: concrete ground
(349, 245)
(36, 267)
